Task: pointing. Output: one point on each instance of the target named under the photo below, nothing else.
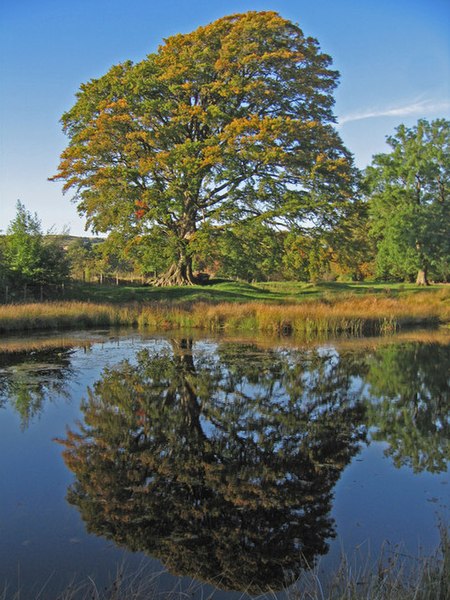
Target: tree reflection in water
(29, 379)
(222, 466)
(409, 403)
(223, 463)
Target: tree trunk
(189, 400)
(422, 277)
(180, 273)
(422, 274)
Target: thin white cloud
(417, 107)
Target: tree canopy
(410, 202)
(230, 123)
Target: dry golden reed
(353, 314)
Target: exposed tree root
(178, 274)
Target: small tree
(151, 253)
(409, 192)
(55, 267)
(353, 252)
(112, 259)
(23, 246)
(5, 273)
(30, 257)
(81, 258)
(251, 253)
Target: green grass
(215, 292)
(301, 290)
(235, 291)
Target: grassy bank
(284, 292)
(356, 313)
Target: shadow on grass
(213, 292)
(217, 291)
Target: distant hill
(64, 239)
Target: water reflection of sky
(42, 536)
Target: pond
(228, 466)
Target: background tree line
(218, 154)
(397, 229)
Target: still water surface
(232, 462)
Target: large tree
(410, 200)
(228, 123)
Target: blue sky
(393, 56)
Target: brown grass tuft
(353, 314)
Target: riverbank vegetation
(241, 308)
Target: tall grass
(353, 314)
(393, 577)
(62, 315)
